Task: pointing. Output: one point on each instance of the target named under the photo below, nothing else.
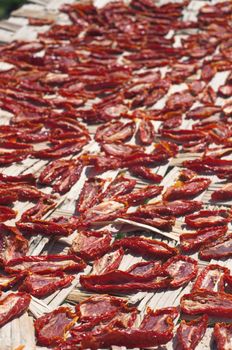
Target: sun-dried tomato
(146, 247)
(181, 269)
(12, 306)
(146, 132)
(124, 282)
(154, 220)
(90, 193)
(121, 150)
(145, 268)
(211, 278)
(115, 131)
(220, 248)
(62, 149)
(118, 187)
(183, 136)
(24, 191)
(12, 243)
(202, 112)
(208, 218)
(189, 334)
(6, 213)
(180, 100)
(8, 281)
(186, 189)
(90, 245)
(156, 329)
(62, 174)
(145, 173)
(108, 262)
(106, 211)
(210, 165)
(46, 228)
(39, 210)
(223, 335)
(141, 195)
(52, 327)
(45, 264)
(193, 241)
(175, 208)
(222, 194)
(48, 284)
(40, 21)
(209, 303)
(99, 308)
(27, 179)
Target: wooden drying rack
(21, 331)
